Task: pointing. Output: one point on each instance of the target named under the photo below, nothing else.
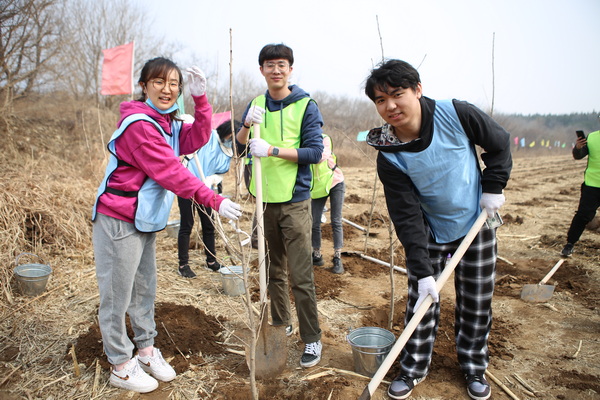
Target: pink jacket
(149, 155)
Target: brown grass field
(45, 204)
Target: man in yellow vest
(291, 140)
(590, 188)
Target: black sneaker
(338, 268)
(567, 250)
(478, 388)
(312, 354)
(186, 271)
(317, 260)
(215, 267)
(402, 386)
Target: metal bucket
(233, 280)
(173, 229)
(31, 278)
(370, 346)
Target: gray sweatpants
(126, 273)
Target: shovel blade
(366, 395)
(537, 293)
(271, 351)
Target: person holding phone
(590, 188)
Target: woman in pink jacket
(133, 202)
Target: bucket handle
(29, 254)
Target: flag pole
(132, 64)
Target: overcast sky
(546, 52)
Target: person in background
(214, 159)
(132, 203)
(247, 175)
(291, 139)
(590, 188)
(435, 190)
(328, 182)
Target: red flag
(117, 70)
(219, 118)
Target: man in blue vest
(435, 190)
(291, 140)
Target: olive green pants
(288, 248)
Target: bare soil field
(552, 347)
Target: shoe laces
(131, 369)
(475, 378)
(313, 348)
(155, 358)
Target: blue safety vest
(446, 176)
(212, 159)
(153, 201)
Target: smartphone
(580, 134)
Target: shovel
(540, 292)
(271, 344)
(375, 260)
(420, 312)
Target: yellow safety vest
(322, 175)
(592, 171)
(280, 128)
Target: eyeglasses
(159, 84)
(281, 65)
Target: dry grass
(44, 210)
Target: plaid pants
(474, 278)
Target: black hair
(274, 52)
(225, 130)
(391, 74)
(159, 67)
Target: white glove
(187, 118)
(229, 209)
(427, 286)
(196, 81)
(491, 202)
(259, 147)
(254, 115)
(213, 180)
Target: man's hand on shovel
(424, 306)
(254, 116)
(427, 286)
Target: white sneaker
(312, 354)
(131, 377)
(156, 366)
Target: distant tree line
(55, 46)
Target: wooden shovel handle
(552, 271)
(260, 231)
(420, 312)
